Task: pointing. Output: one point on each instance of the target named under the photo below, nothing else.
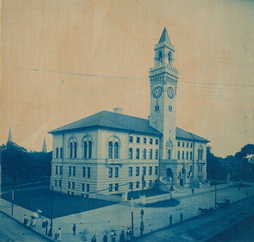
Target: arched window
(71, 149)
(116, 153)
(169, 58)
(110, 150)
(137, 154)
(156, 154)
(150, 154)
(85, 150)
(160, 58)
(75, 149)
(200, 153)
(144, 154)
(130, 153)
(56, 152)
(90, 149)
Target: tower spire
(44, 146)
(164, 37)
(9, 136)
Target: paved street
(118, 216)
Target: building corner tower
(163, 90)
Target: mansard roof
(118, 121)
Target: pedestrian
(142, 227)
(105, 237)
(128, 234)
(46, 226)
(43, 224)
(122, 236)
(192, 190)
(181, 217)
(170, 219)
(50, 230)
(34, 222)
(74, 229)
(25, 220)
(59, 235)
(113, 236)
(93, 238)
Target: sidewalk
(118, 216)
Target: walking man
(74, 229)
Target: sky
(63, 60)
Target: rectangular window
(69, 185)
(73, 185)
(84, 171)
(191, 168)
(191, 155)
(187, 145)
(182, 155)
(150, 170)
(88, 187)
(156, 170)
(150, 183)
(83, 187)
(56, 170)
(130, 185)
(138, 140)
(144, 171)
(116, 187)
(178, 144)
(156, 182)
(74, 171)
(137, 184)
(61, 170)
(137, 171)
(55, 183)
(110, 172)
(187, 155)
(130, 171)
(191, 145)
(88, 172)
(131, 139)
(69, 170)
(144, 140)
(116, 171)
(60, 183)
(144, 183)
(183, 144)
(151, 141)
(170, 108)
(156, 141)
(110, 187)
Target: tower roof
(164, 37)
(9, 136)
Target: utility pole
(132, 219)
(12, 201)
(51, 211)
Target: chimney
(118, 110)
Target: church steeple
(9, 136)
(44, 146)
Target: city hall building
(110, 152)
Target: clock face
(171, 92)
(157, 91)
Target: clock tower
(163, 90)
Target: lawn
(63, 204)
